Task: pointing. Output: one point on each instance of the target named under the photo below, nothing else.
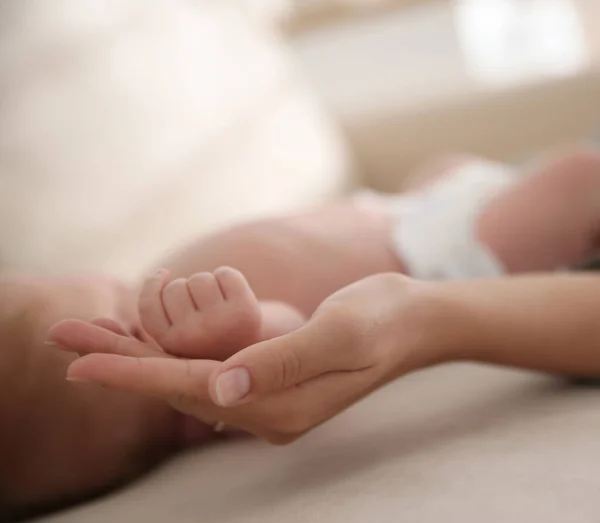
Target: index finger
(168, 378)
(183, 383)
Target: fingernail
(232, 386)
(50, 343)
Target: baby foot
(209, 315)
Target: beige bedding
(454, 444)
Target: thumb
(281, 363)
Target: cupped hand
(358, 339)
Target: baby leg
(299, 259)
(550, 219)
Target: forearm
(545, 323)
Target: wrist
(436, 327)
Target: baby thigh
(299, 260)
(550, 219)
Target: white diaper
(434, 232)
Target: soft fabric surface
(129, 127)
(453, 444)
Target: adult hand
(371, 330)
(358, 339)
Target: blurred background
(129, 127)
